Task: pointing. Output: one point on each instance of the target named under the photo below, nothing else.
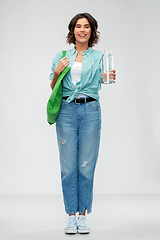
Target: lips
(82, 35)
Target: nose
(82, 29)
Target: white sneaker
(71, 227)
(81, 224)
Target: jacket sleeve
(54, 64)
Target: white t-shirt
(76, 72)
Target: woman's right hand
(63, 63)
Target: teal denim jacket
(91, 78)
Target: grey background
(32, 32)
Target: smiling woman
(82, 31)
(78, 124)
(91, 23)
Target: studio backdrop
(32, 33)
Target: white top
(76, 72)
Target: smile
(82, 35)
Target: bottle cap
(107, 51)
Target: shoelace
(81, 222)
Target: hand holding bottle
(112, 76)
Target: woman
(78, 124)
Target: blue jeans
(78, 129)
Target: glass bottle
(107, 62)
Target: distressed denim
(78, 129)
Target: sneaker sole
(83, 231)
(70, 231)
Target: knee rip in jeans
(84, 164)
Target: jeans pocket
(64, 103)
(94, 105)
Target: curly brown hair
(94, 38)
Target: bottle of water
(107, 65)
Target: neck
(81, 47)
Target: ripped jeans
(78, 129)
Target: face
(82, 30)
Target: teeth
(82, 35)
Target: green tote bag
(54, 102)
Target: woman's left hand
(112, 76)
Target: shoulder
(70, 51)
(97, 53)
(57, 57)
